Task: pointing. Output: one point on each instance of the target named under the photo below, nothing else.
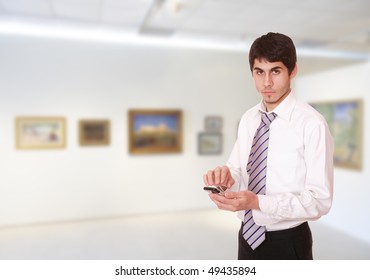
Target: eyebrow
(272, 69)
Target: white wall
(79, 80)
(351, 208)
(91, 80)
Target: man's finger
(210, 178)
(217, 174)
(231, 195)
(223, 175)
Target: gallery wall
(83, 80)
(86, 80)
(351, 206)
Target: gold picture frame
(344, 118)
(94, 132)
(155, 131)
(40, 132)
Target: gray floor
(191, 235)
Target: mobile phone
(214, 189)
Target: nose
(268, 80)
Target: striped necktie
(256, 168)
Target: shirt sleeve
(315, 199)
(234, 165)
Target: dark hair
(274, 47)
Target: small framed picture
(40, 133)
(155, 131)
(94, 132)
(213, 123)
(209, 143)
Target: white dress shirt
(299, 179)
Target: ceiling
(330, 27)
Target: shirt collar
(284, 109)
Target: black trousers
(289, 244)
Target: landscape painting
(94, 132)
(155, 131)
(346, 126)
(40, 132)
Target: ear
(294, 72)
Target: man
(286, 178)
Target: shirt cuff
(267, 214)
(267, 204)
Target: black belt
(300, 230)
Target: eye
(276, 71)
(258, 72)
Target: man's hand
(220, 177)
(235, 201)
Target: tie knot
(267, 119)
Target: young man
(280, 172)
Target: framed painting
(345, 123)
(155, 131)
(213, 123)
(94, 132)
(40, 132)
(209, 143)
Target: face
(272, 81)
